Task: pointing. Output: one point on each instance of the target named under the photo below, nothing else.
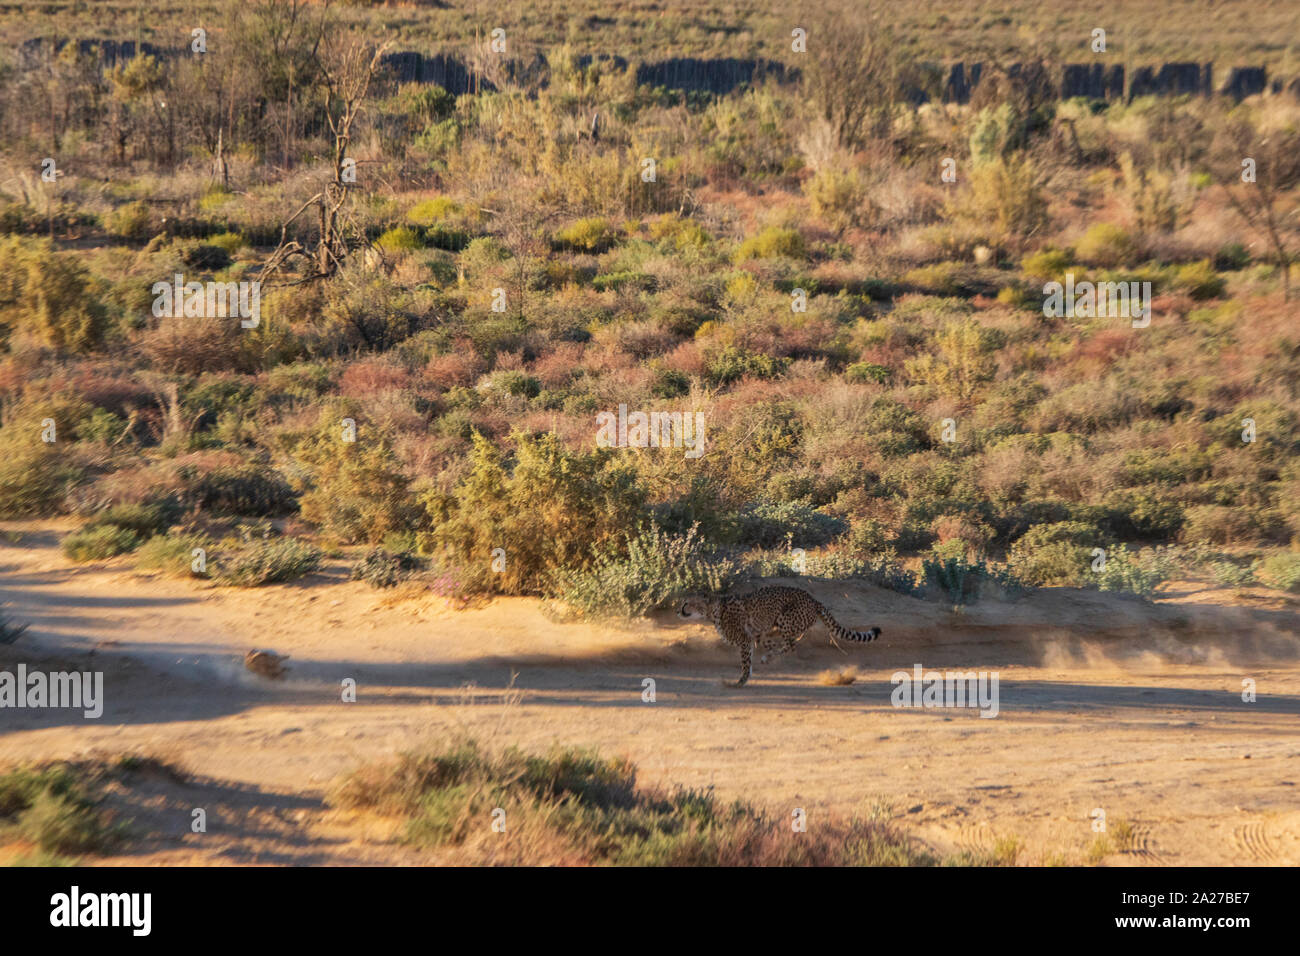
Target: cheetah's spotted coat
(747, 621)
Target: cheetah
(746, 621)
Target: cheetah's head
(693, 609)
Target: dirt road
(1105, 703)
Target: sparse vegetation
(10, 629)
(802, 258)
(55, 807)
(575, 806)
(439, 330)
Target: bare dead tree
(220, 169)
(1266, 200)
(173, 423)
(346, 82)
(854, 73)
(523, 231)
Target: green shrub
(587, 235)
(866, 373)
(519, 384)
(52, 807)
(145, 520)
(767, 523)
(997, 131)
(63, 824)
(99, 542)
(400, 239)
(838, 195)
(1106, 245)
(229, 242)
(446, 238)
(264, 560)
(730, 364)
(353, 491)
(964, 581)
(648, 571)
(1003, 204)
(483, 257)
(882, 570)
(385, 569)
(773, 242)
(427, 212)
(550, 509)
(1047, 266)
(242, 490)
(33, 476)
(1228, 574)
(427, 104)
(102, 426)
(742, 290)
(1280, 571)
(951, 279)
(1232, 257)
(1154, 196)
(438, 138)
(894, 429)
(1200, 280)
(669, 383)
(305, 381)
(1150, 513)
(1217, 525)
(682, 233)
(1018, 297)
(205, 256)
(131, 221)
(1054, 554)
(1139, 573)
(957, 364)
(623, 280)
(173, 554)
(214, 197)
(868, 536)
(49, 296)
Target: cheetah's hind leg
(789, 632)
(774, 648)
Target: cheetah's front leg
(746, 665)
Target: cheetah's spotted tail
(842, 633)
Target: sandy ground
(1105, 702)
